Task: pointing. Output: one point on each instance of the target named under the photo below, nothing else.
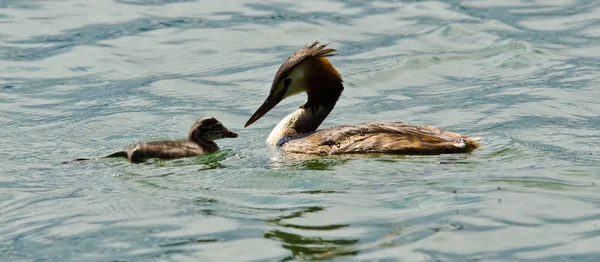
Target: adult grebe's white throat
(301, 121)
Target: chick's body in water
(200, 141)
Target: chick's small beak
(269, 103)
(231, 134)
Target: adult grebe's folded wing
(381, 137)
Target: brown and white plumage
(308, 70)
(380, 137)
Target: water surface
(84, 78)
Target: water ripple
(83, 79)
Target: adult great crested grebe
(200, 141)
(308, 70)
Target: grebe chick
(309, 71)
(200, 141)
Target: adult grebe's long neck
(303, 121)
(324, 86)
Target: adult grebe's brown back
(309, 71)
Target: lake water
(83, 78)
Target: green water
(84, 78)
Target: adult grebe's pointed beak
(269, 103)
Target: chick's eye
(287, 82)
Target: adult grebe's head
(307, 70)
